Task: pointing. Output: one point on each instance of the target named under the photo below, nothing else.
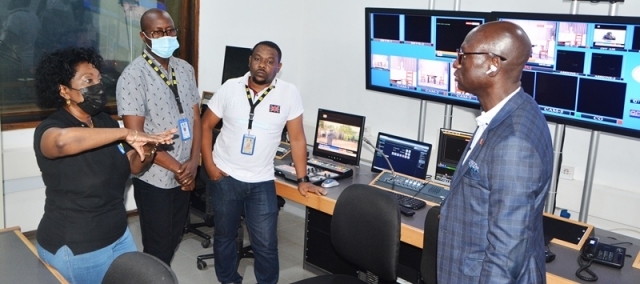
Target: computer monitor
(451, 146)
(411, 52)
(236, 62)
(339, 136)
(407, 156)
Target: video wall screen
(410, 52)
(584, 70)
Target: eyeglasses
(462, 55)
(159, 34)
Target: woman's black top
(84, 206)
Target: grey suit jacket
(491, 222)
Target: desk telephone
(595, 252)
(606, 254)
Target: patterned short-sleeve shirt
(141, 92)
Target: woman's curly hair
(58, 68)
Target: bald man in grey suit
(491, 222)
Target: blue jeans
(87, 267)
(258, 201)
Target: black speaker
(236, 62)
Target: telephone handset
(606, 254)
(589, 248)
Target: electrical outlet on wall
(566, 172)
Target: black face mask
(94, 99)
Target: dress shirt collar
(486, 116)
(245, 80)
(156, 62)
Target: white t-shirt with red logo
(282, 103)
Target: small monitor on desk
(451, 146)
(339, 136)
(407, 156)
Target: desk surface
(19, 262)
(561, 270)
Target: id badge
(248, 144)
(185, 133)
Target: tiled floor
(290, 250)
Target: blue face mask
(164, 46)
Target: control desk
(417, 188)
(317, 170)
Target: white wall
(323, 54)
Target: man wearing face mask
(157, 92)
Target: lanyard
(252, 104)
(172, 85)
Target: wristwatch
(303, 179)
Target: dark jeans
(230, 198)
(163, 214)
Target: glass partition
(31, 28)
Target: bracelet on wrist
(152, 152)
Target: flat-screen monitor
(451, 146)
(584, 70)
(410, 52)
(407, 156)
(339, 136)
(236, 62)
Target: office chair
(428, 264)
(365, 231)
(139, 268)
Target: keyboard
(334, 167)
(408, 201)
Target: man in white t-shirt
(255, 109)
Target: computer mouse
(330, 183)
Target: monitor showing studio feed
(411, 52)
(584, 70)
(407, 156)
(339, 136)
(451, 146)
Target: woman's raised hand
(137, 139)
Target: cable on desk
(584, 266)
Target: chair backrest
(139, 268)
(428, 265)
(365, 229)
